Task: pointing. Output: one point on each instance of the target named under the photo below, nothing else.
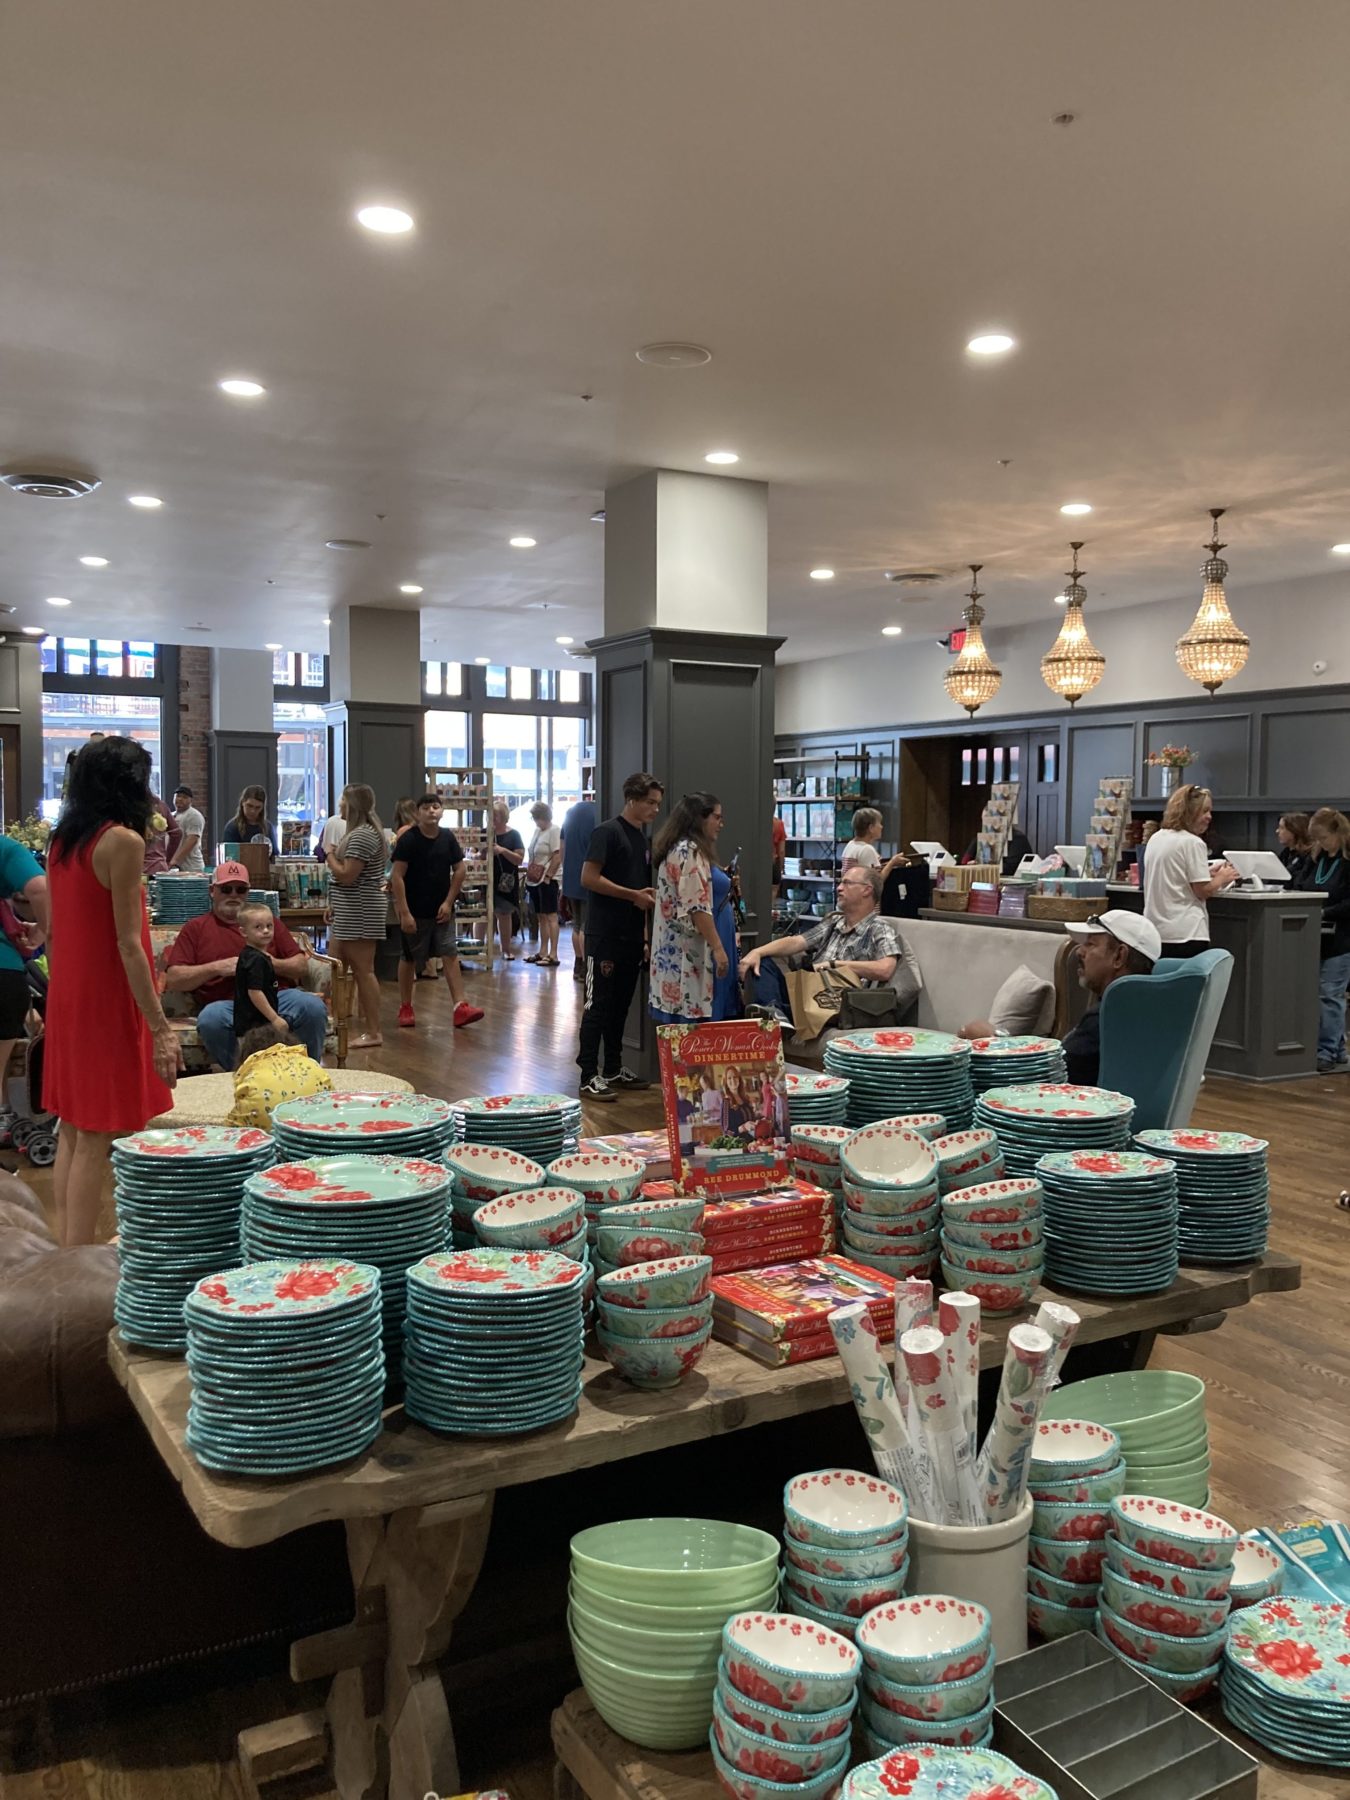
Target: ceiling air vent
(49, 484)
(914, 578)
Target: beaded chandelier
(1073, 665)
(1214, 650)
(972, 679)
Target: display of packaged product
(790, 1300)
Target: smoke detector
(49, 484)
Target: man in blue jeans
(201, 962)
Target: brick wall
(194, 725)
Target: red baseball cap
(231, 871)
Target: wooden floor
(1278, 1378)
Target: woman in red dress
(111, 1056)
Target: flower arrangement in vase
(1170, 760)
(33, 833)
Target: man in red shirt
(201, 962)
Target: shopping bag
(815, 996)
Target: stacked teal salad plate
(337, 1124)
(1286, 1678)
(1110, 1221)
(385, 1211)
(492, 1341)
(896, 1070)
(174, 899)
(1223, 1186)
(1036, 1118)
(1007, 1061)
(178, 1196)
(941, 1772)
(541, 1126)
(286, 1366)
(816, 1099)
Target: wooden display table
(596, 1762)
(417, 1507)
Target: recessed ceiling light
(1060, 599)
(991, 343)
(389, 221)
(1340, 549)
(328, 621)
(271, 646)
(147, 502)
(56, 600)
(721, 456)
(482, 661)
(101, 562)
(891, 630)
(1075, 509)
(523, 543)
(346, 544)
(564, 640)
(408, 587)
(241, 387)
(822, 574)
(35, 631)
(674, 356)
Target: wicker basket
(961, 875)
(1061, 907)
(947, 901)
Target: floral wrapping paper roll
(1062, 1323)
(1005, 1458)
(878, 1406)
(942, 1428)
(959, 1323)
(913, 1308)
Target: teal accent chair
(1156, 1032)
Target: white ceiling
(831, 194)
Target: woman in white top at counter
(861, 850)
(1177, 877)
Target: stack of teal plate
(1110, 1221)
(1223, 1186)
(347, 1124)
(816, 1099)
(492, 1341)
(1037, 1118)
(174, 899)
(1159, 1417)
(384, 1211)
(1009, 1061)
(178, 1196)
(893, 1070)
(537, 1125)
(268, 897)
(287, 1371)
(1286, 1679)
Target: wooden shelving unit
(838, 767)
(467, 794)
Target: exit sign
(957, 642)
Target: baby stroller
(24, 1125)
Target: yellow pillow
(283, 1072)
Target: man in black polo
(425, 877)
(617, 877)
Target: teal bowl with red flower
(965, 1731)
(1070, 1521)
(1184, 1687)
(654, 1362)
(996, 1293)
(925, 1638)
(740, 1785)
(1161, 1649)
(753, 1753)
(846, 1565)
(1052, 1620)
(648, 1322)
(668, 1281)
(1178, 1615)
(1081, 1490)
(776, 1723)
(1069, 1559)
(1166, 1577)
(852, 1598)
(799, 1667)
(1174, 1531)
(929, 1700)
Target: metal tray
(1075, 1714)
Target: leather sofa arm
(56, 1310)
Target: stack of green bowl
(648, 1600)
(1159, 1417)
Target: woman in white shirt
(1177, 877)
(861, 851)
(542, 862)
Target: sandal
(364, 1043)
(536, 958)
(549, 962)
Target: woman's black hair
(686, 821)
(109, 785)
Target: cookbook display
(726, 1101)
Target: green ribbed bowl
(676, 1562)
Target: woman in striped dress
(360, 910)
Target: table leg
(388, 1718)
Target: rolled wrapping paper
(1022, 1389)
(879, 1408)
(959, 1323)
(913, 1308)
(942, 1430)
(1062, 1323)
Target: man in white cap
(1110, 944)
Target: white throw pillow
(1025, 1004)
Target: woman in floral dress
(687, 954)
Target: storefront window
(495, 680)
(69, 719)
(47, 650)
(569, 686)
(447, 738)
(522, 684)
(142, 661)
(302, 761)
